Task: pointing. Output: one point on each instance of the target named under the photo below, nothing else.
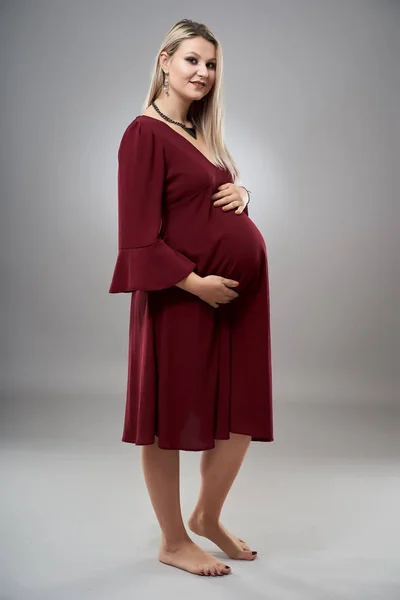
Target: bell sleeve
(144, 260)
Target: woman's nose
(202, 71)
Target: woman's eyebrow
(193, 52)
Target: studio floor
(320, 505)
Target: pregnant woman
(199, 372)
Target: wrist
(191, 283)
(245, 194)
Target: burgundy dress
(195, 373)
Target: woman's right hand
(215, 290)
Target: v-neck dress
(195, 373)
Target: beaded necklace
(190, 130)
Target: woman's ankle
(172, 544)
(201, 516)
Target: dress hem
(253, 439)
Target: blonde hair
(207, 114)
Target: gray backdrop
(312, 118)
(311, 95)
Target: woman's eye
(213, 65)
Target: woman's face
(194, 60)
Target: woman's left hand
(231, 196)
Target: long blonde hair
(207, 114)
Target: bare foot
(216, 532)
(190, 557)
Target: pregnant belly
(224, 244)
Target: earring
(166, 85)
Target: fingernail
(227, 566)
(255, 552)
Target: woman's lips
(198, 85)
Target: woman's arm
(144, 261)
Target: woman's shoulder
(141, 126)
(143, 135)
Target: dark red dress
(195, 373)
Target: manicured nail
(255, 552)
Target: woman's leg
(161, 473)
(219, 468)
